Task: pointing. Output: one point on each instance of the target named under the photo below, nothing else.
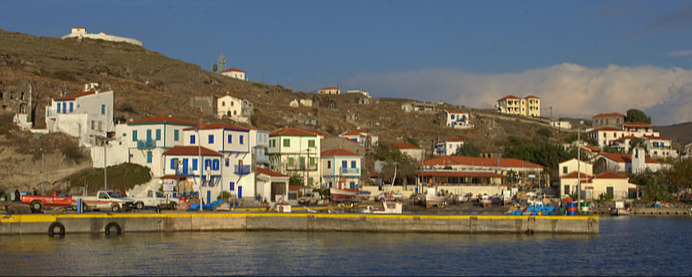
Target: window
(344, 164)
(329, 164)
(227, 163)
(311, 143)
(240, 139)
(291, 160)
(71, 106)
(215, 165)
(211, 138)
(149, 157)
(158, 134)
(564, 170)
(287, 143)
(194, 164)
(353, 164)
(230, 138)
(134, 135)
(176, 135)
(103, 109)
(312, 160)
(64, 107)
(231, 186)
(566, 191)
(192, 139)
(207, 164)
(174, 162)
(58, 107)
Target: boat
(388, 207)
(342, 194)
(620, 209)
(484, 200)
(432, 198)
(363, 195)
(388, 196)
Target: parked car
(155, 199)
(37, 202)
(105, 200)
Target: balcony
(349, 171)
(241, 169)
(302, 167)
(145, 144)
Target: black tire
(36, 206)
(115, 208)
(61, 229)
(139, 205)
(114, 225)
(173, 206)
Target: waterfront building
(448, 146)
(147, 139)
(458, 120)
(296, 152)
(87, 115)
(341, 169)
(272, 185)
(234, 73)
(530, 106)
(199, 164)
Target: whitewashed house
(448, 146)
(87, 115)
(341, 169)
(362, 137)
(185, 161)
(296, 152)
(234, 108)
(411, 150)
(458, 120)
(234, 73)
(147, 139)
(272, 185)
(637, 162)
(329, 91)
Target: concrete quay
(262, 221)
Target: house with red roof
(608, 120)
(296, 152)
(235, 73)
(529, 106)
(448, 146)
(411, 150)
(329, 91)
(86, 115)
(341, 169)
(272, 185)
(199, 164)
(611, 130)
(461, 175)
(361, 137)
(636, 162)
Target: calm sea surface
(625, 246)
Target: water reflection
(636, 246)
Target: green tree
(635, 115)
(405, 165)
(468, 149)
(637, 142)
(679, 176)
(295, 180)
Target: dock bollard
(79, 206)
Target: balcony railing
(241, 169)
(302, 167)
(345, 170)
(144, 144)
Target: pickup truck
(156, 199)
(37, 202)
(105, 200)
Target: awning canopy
(469, 174)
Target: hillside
(680, 133)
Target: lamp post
(43, 169)
(199, 166)
(579, 166)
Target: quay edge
(247, 221)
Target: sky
(580, 57)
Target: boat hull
(340, 194)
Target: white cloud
(680, 53)
(572, 90)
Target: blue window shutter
(58, 107)
(192, 139)
(329, 164)
(211, 138)
(230, 138)
(240, 140)
(158, 134)
(344, 164)
(103, 109)
(194, 164)
(231, 187)
(134, 135)
(71, 106)
(353, 164)
(173, 163)
(215, 165)
(176, 133)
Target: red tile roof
(191, 151)
(233, 69)
(405, 145)
(320, 133)
(455, 111)
(654, 137)
(460, 174)
(609, 115)
(573, 175)
(218, 126)
(354, 133)
(488, 162)
(269, 172)
(627, 158)
(508, 97)
(292, 132)
(75, 96)
(610, 175)
(531, 96)
(638, 125)
(327, 88)
(606, 129)
(161, 119)
(338, 152)
(453, 139)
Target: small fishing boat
(620, 209)
(342, 194)
(388, 207)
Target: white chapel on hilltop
(80, 33)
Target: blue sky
(638, 54)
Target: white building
(329, 90)
(147, 139)
(234, 108)
(234, 73)
(458, 120)
(272, 185)
(87, 115)
(448, 146)
(561, 124)
(296, 152)
(80, 33)
(341, 169)
(358, 91)
(411, 150)
(362, 137)
(637, 162)
(185, 161)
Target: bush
(225, 196)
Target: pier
(117, 223)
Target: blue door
(208, 196)
(240, 192)
(184, 166)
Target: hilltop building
(87, 115)
(234, 73)
(234, 108)
(530, 106)
(458, 120)
(411, 150)
(329, 91)
(611, 130)
(80, 33)
(448, 146)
